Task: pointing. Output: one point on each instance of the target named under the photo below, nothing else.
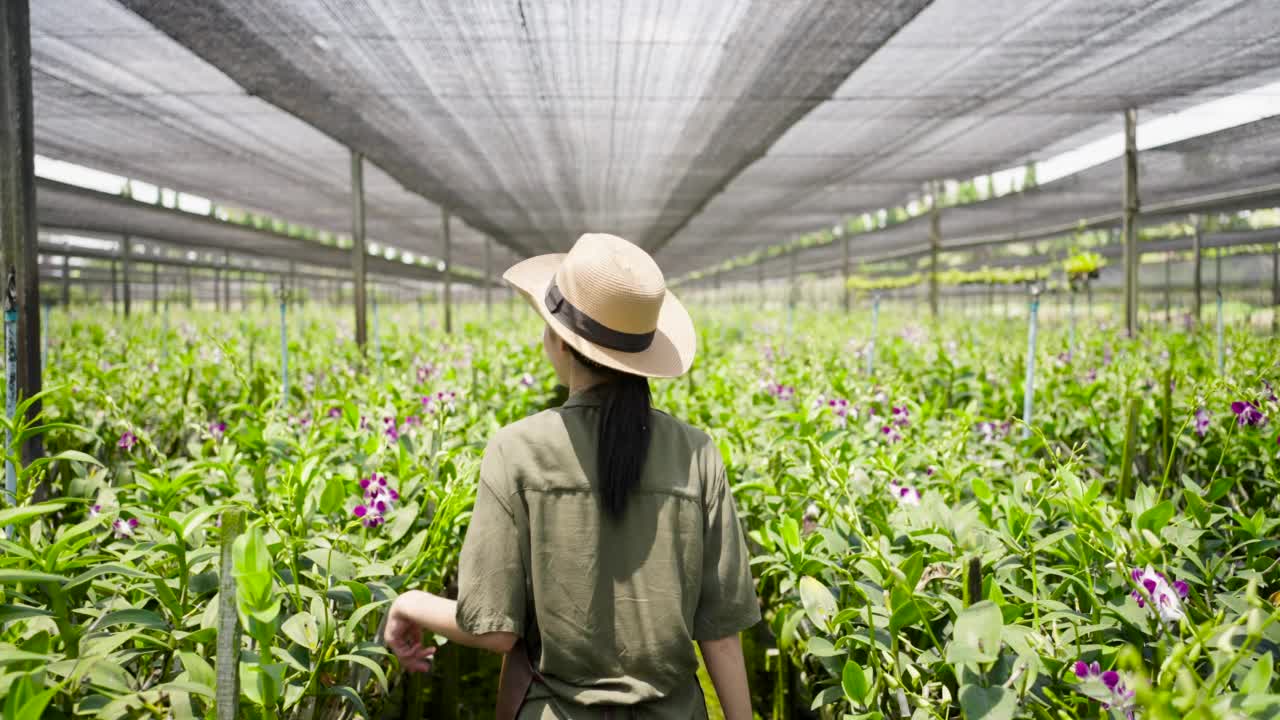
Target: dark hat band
(588, 329)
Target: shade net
(700, 129)
(114, 93)
(76, 209)
(1233, 169)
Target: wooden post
(18, 223)
(1131, 204)
(935, 244)
(359, 259)
(243, 295)
(155, 287)
(114, 299)
(488, 278)
(448, 273)
(66, 280)
(227, 690)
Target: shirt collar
(584, 398)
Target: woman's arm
(728, 673)
(415, 612)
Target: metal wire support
(1131, 206)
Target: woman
(604, 540)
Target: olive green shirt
(615, 604)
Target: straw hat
(608, 300)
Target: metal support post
(18, 223)
(1275, 288)
(448, 272)
(1131, 205)
(1168, 292)
(226, 282)
(488, 278)
(66, 281)
(155, 288)
(935, 243)
(1197, 255)
(844, 276)
(244, 305)
(114, 298)
(126, 267)
(359, 259)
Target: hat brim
(675, 343)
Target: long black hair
(624, 433)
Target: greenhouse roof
(116, 94)
(1230, 170)
(70, 208)
(703, 130)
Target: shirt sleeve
(491, 572)
(727, 603)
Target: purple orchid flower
(1166, 599)
(1202, 421)
(784, 393)
(95, 511)
(390, 429)
(440, 401)
(900, 415)
(127, 441)
(1247, 414)
(1119, 696)
(335, 412)
(904, 494)
(217, 429)
(526, 380)
(891, 434)
(124, 528)
(811, 516)
(425, 372)
(379, 500)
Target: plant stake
(284, 346)
(1029, 387)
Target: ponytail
(624, 434)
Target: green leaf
(18, 576)
(19, 516)
(133, 616)
(77, 456)
(827, 696)
(854, 681)
(1155, 518)
(981, 490)
(198, 669)
(350, 696)
(983, 703)
(822, 647)
(976, 636)
(1258, 681)
(302, 629)
(332, 562)
(370, 665)
(913, 568)
(11, 613)
(818, 602)
(196, 519)
(188, 686)
(11, 655)
(334, 495)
